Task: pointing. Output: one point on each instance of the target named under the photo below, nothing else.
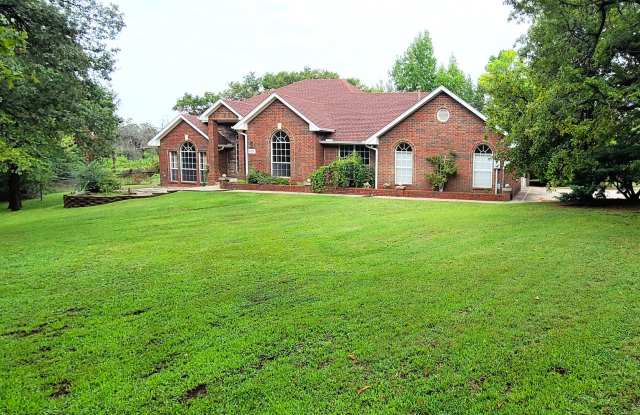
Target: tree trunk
(15, 198)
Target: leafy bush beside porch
(345, 172)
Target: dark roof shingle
(335, 104)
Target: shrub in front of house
(258, 177)
(344, 172)
(444, 167)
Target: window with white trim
(442, 115)
(345, 151)
(280, 154)
(482, 167)
(188, 162)
(173, 166)
(404, 164)
(204, 169)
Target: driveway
(542, 194)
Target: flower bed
(370, 192)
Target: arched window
(404, 164)
(482, 167)
(280, 154)
(188, 162)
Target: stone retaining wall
(74, 201)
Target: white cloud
(171, 47)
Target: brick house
(291, 131)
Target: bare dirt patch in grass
(61, 389)
(137, 312)
(195, 392)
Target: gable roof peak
(191, 120)
(373, 139)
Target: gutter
(376, 165)
(337, 143)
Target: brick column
(241, 163)
(212, 151)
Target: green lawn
(242, 303)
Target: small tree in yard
(444, 166)
(96, 178)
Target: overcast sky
(170, 47)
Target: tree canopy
(453, 78)
(570, 99)
(133, 138)
(417, 70)
(58, 62)
(12, 41)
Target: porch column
(241, 156)
(212, 152)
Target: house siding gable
(172, 142)
(306, 150)
(428, 137)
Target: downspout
(246, 154)
(497, 169)
(376, 165)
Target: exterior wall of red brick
(172, 142)
(428, 136)
(462, 133)
(306, 150)
(330, 154)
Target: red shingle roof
(335, 104)
(193, 119)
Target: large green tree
(60, 90)
(511, 91)
(417, 70)
(12, 41)
(252, 85)
(571, 101)
(454, 78)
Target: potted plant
(444, 167)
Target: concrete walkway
(541, 194)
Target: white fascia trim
(204, 117)
(242, 124)
(441, 89)
(155, 141)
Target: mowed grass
(256, 303)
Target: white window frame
(481, 151)
(443, 111)
(278, 149)
(202, 166)
(345, 150)
(195, 162)
(173, 166)
(403, 162)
